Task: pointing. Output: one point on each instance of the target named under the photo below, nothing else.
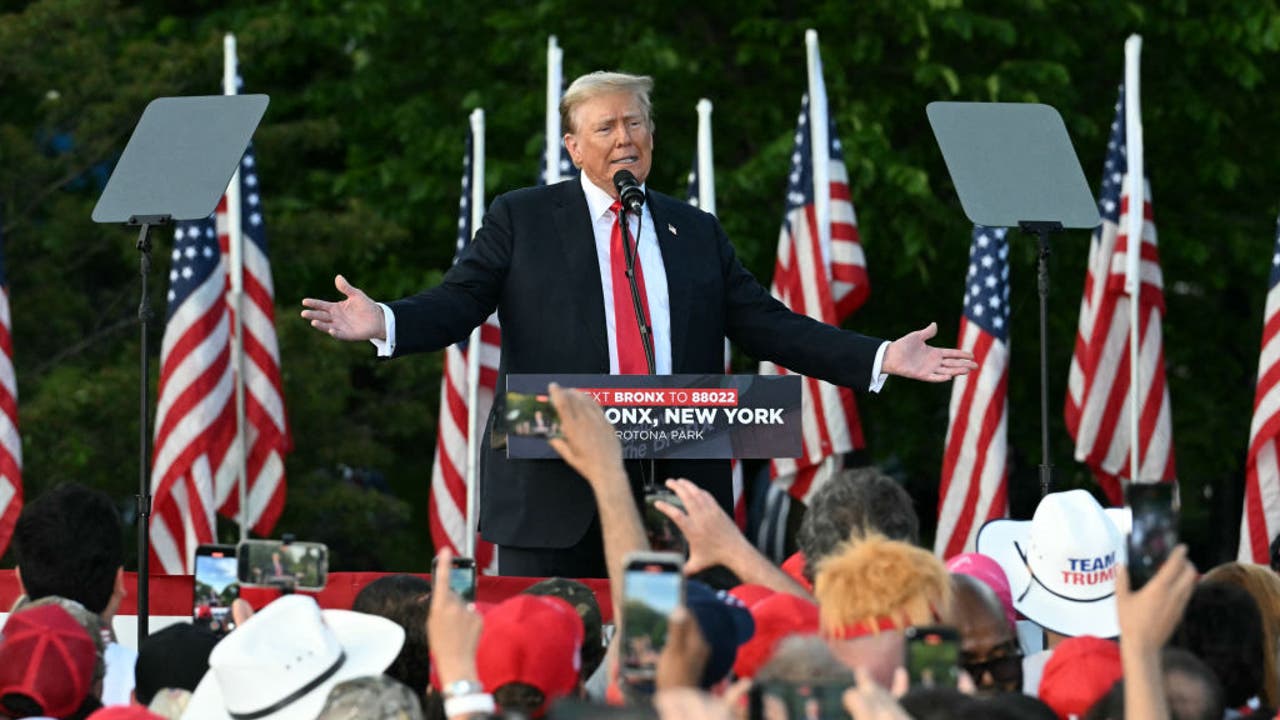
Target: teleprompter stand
(176, 165)
(1013, 166)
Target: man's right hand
(589, 443)
(355, 318)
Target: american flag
(974, 464)
(448, 509)
(693, 195)
(1098, 398)
(10, 441)
(266, 427)
(1260, 521)
(826, 284)
(195, 413)
(567, 168)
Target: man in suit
(550, 260)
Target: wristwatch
(463, 688)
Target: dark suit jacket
(534, 260)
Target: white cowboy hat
(1061, 563)
(281, 663)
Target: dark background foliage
(360, 155)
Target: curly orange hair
(878, 583)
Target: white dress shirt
(651, 267)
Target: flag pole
(818, 145)
(1136, 219)
(473, 346)
(706, 168)
(555, 77)
(235, 241)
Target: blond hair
(599, 83)
(871, 579)
(1264, 585)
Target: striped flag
(266, 431)
(1098, 398)
(448, 508)
(702, 194)
(553, 138)
(10, 441)
(1260, 521)
(195, 411)
(195, 468)
(827, 283)
(975, 462)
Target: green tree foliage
(360, 159)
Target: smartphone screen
(790, 701)
(527, 415)
(272, 563)
(1154, 530)
(462, 578)
(652, 587)
(215, 588)
(933, 656)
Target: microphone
(629, 190)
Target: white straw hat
(281, 663)
(1061, 564)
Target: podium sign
(704, 417)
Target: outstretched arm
(356, 317)
(910, 356)
(591, 447)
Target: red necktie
(631, 357)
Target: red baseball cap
(531, 639)
(794, 567)
(751, 594)
(47, 656)
(1081, 670)
(776, 617)
(124, 712)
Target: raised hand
(911, 356)
(453, 626)
(712, 536)
(355, 318)
(588, 443)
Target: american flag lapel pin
(672, 229)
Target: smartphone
(529, 415)
(778, 700)
(664, 535)
(652, 587)
(290, 566)
(462, 577)
(215, 587)
(933, 655)
(1153, 532)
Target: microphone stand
(646, 333)
(629, 252)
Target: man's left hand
(911, 356)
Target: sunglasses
(1004, 669)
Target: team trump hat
(1061, 564)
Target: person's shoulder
(679, 212)
(537, 196)
(672, 205)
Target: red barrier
(171, 594)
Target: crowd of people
(1043, 620)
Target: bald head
(988, 643)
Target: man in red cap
(46, 664)
(530, 653)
